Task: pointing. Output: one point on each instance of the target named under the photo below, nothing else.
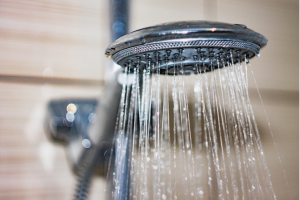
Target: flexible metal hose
(85, 175)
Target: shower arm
(93, 158)
(102, 130)
(101, 133)
(119, 18)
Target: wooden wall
(48, 50)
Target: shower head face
(177, 46)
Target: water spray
(225, 133)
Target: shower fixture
(132, 112)
(170, 44)
(143, 130)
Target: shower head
(169, 45)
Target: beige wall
(53, 49)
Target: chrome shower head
(169, 45)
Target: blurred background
(55, 49)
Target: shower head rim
(186, 29)
(184, 43)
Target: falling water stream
(174, 141)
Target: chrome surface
(172, 43)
